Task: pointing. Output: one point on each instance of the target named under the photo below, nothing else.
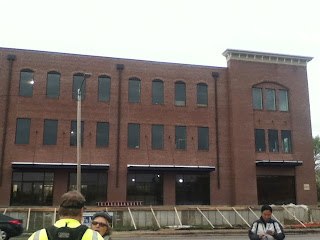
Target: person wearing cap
(266, 228)
(101, 222)
(68, 227)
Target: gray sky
(181, 31)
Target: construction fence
(138, 217)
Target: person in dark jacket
(266, 228)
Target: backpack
(66, 233)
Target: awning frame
(170, 168)
(38, 165)
(283, 163)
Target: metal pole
(85, 76)
(79, 142)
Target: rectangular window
(283, 100)
(134, 90)
(104, 88)
(145, 187)
(257, 98)
(181, 137)
(53, 85)
(26, 83)
(203, 138)
(157, 92)
(94, 186)
(73, 133)
(180, 94)
(260, 140)
(23, 130)
(273, 140)
(202, 94)
(78, 80)
(50, 132)
(271, 99)
(193, 189)
(102, 134)
(157, 136)
(32, 188)
(286, 141)
(133, 135)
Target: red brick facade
(234, 181)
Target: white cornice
(234, 54)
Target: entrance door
(276, 190)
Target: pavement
(183, 232)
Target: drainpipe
(120, 67)
(215, 75)
(10, 58)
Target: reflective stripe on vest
(95, 235)
(37, 235)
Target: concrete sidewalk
(170, 232)
(177, 232)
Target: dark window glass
(32, 188)
(133, 135)
(193, 189)
(78, 79)
(73, 133)
(257, 98)
(102, 134)
(202, 94)
(145, 187)
(157, 92)
(181, 137)
(157, 136)
(53, 85)
(94, 186)
(203, 138)
(26, 83)
(23, 130)
(134, 90)
(50, 132)
(180, 94)
(286, 141)
(283, 100)
(273, 140)
(104, 88)
(271, 99)
(278, 190)
(260, 140)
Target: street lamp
(85, 76)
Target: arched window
(104, 88)
(270, 96)
(26, 83)
(79, 82)
(134, 90)
(202, 94)
(53, 84)
(157, 91)
(180, 93)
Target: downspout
(120, 67)
(215, 75)
(10, 58)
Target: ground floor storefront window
(276, 190)
(145, 187)
(93, 186)
(193, 189)
(32, 188)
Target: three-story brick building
(160, 133)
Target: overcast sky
(181, 31)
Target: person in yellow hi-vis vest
(69, 226)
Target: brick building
(160, 133)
